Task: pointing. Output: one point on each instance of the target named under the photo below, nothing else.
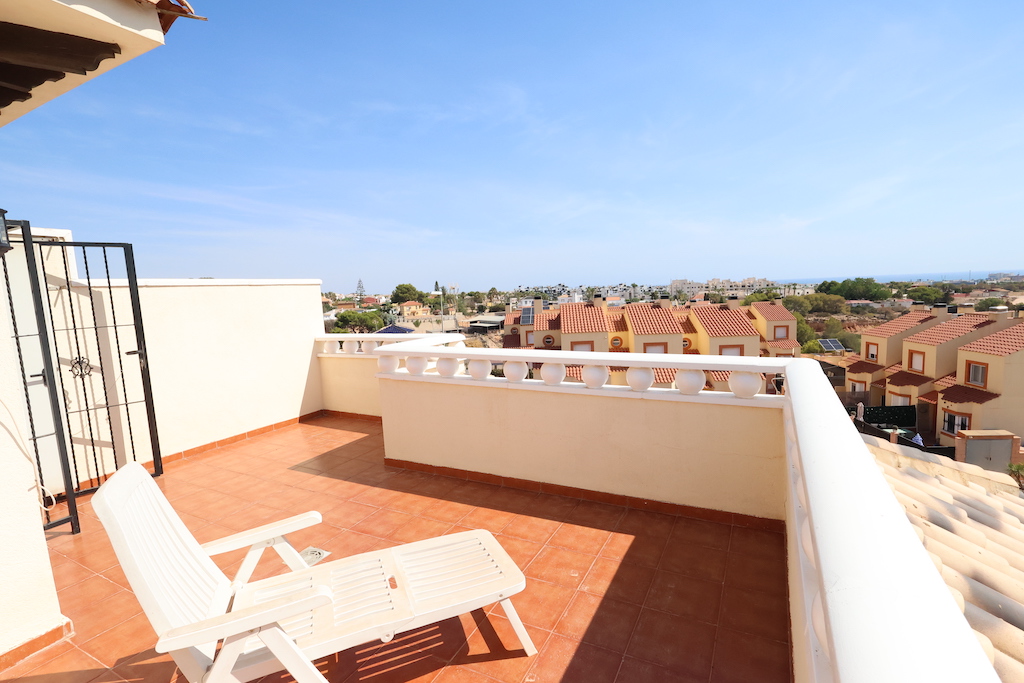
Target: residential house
(777, 327)
(412, 309)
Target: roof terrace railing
(866, 602)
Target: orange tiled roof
(878, 383)
(931, 397)
(684, 320)
(651, 319)
(908, 379)
(863, 366)
(770, 310)
(900, 324)
(410, 303)
(722, 375)
(1001, 343)
(664, 375)
(617, 322)
(783, 344)
(894, 368)
(513, 317)
(958, 393)
(722, 322)
(945, 382)
(950, 329)
(546, 321)
(583, 317)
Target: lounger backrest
(174, 580)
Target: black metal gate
(82, 354)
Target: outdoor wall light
(5, 243)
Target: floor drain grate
(313, 555)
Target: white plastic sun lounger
(288, 621)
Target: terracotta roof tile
(945, 382)
(864, 366)
(878, 383)
(650, 319)
(411, 303)
(722, 322)
(617, 322)
(722, 375)
(772, 311)
(900, 324)
(1001, 343)
(546, 321)
(583, 317)
(894, 368)
(664, 375)
(908, 379)
(958, 393)
(950, 329)
(783, 344)
(513, 317)
(931, 397)
(684, 320)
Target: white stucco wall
(229, 356)
(28, 599)
(350, 384)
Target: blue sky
(499, 144)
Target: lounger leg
(517, 626)
(289, 654)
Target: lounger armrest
(247, 619)
(246, 539)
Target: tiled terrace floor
(612, 594)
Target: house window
(954, 422)
(549, 340)
(686, 343)
(917, 361)
(782, 331)
(899, 400)
(582, 346)
(871, 351)
(977, 374)
(529, 337)
(858, 386)
(616, 342)
(656, 347)
(515, 330)
(736, 350)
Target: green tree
(715, 297)
(827, 303)
(797, 304)
(849, 340)
(860, 288)
(811, 346)
(497, 308)
(804, 332)
(988, 303)
(929, 295)
(833, 328)
(492, 293)
(358, 322)
(405, 293)
(756, 296)
(826, 287)
(1016, 470)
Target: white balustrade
(350, 346)
(595, 376)
(640, 379)
(516, 370)
(552, 373)
(479, 368)
(447, 367)
(690, 382)
(745, 384)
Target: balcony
(666, 534)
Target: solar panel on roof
(831, 345)
(527, 318)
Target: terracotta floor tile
(580, 538)
(486, 518)
(694, 560)
(382, 523)
(618, 580)
(599, 621)
(448, 511)
(564, 660)
(558, 508)
(376, 496)
(685, 596)
(494, 649)
(473, 493)
(701, 532)
(513, 500)
(643, 523)
(251, 517)
(411, 668)
(420, 529)
(758, 613)
(410, 503)
(96, 618)
(116, 574)
(347, 513)
(346, 544)
(557, 565)
(638, 671)
(459, 675)
(756, 573)
(210, 505)
(40, 658)
(69, 573)
(531, 528)
(521, 551)
(71, 666)
(741, 657)
(122, 642)
(296, 500)
(756, 543)
(87, 593)
(540, 604)
(643, 550)
(596, 515)
(676, 643)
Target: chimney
(941, 311)
(664, 301)
(998, 313)
(918, 306)
(599, 300)
(733, 301)
(538, 306)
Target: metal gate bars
(81, 350)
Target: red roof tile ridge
(770, 310)
(949, 330)
(719, 322)
(900, 324)
(1002, 343)
(647, 319)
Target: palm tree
(1016, 470)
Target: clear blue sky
(498, 144)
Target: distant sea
(909, 277)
